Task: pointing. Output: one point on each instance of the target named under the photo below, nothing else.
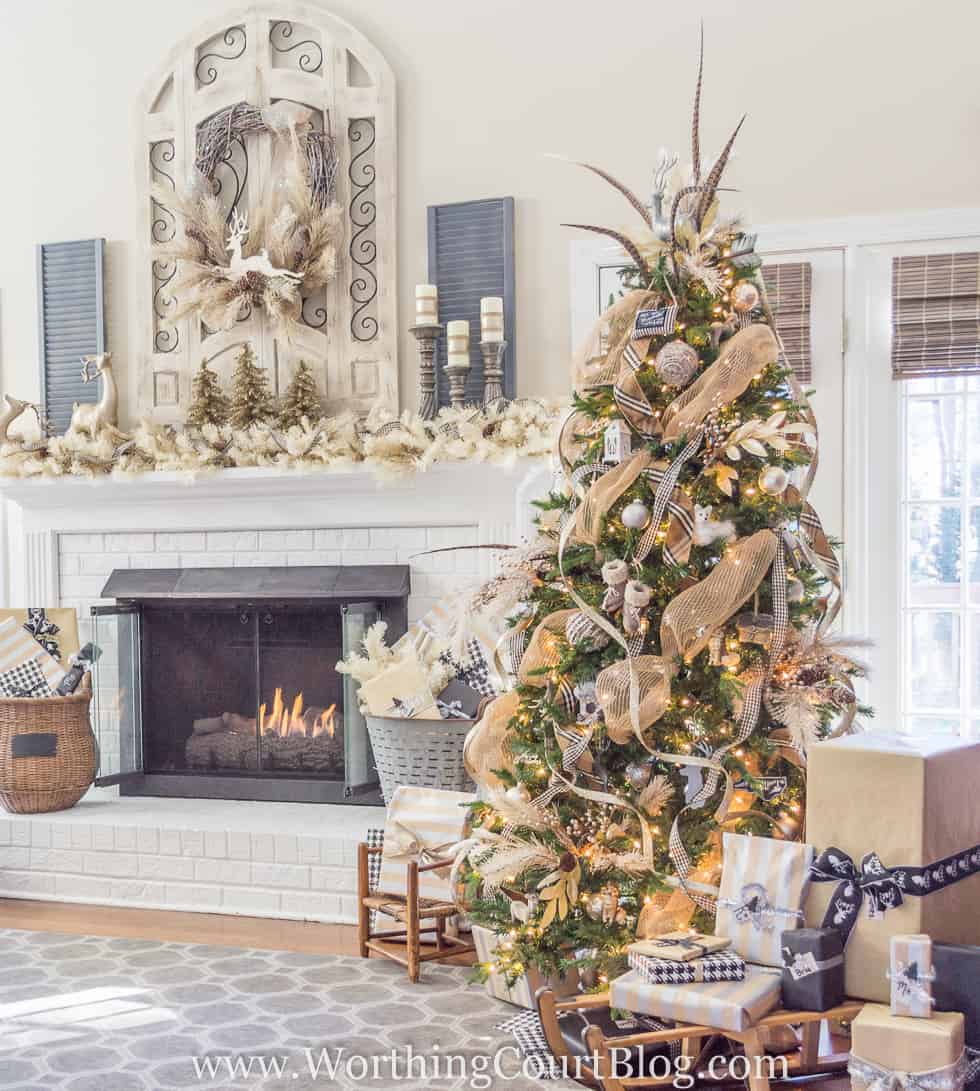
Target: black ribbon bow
(685, 944)
(883, 887)
(43, 630)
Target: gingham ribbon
(665, 493)
(628, 394)
(680, 527)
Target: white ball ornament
(518, 794)
(638, 775)
(773, 480)
(635, 515)
(794, 589)
(676, 363)
(745, 297)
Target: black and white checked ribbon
(665, 490)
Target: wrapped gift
(896, 819)
(25, 667)
(927, 1052)
(400, 690)
(956, 987)
(813, 969)
(762, 884)
(720, 966)
(910, 974)
(681, 946)
(520, 992)
(727, 1005)
(424, 825)
(55, 628)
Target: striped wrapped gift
(721, 966)
(424, 825)
(17, 647)
(726, 1005)
(762, 887)
(521, 992)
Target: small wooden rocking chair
(410, 910)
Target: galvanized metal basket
(419, 753)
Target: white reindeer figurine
(257, 263)
(105, 412)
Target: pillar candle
(492, 318)
(426, 304)
(458, 343)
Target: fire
(293, 720)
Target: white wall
(854, 108)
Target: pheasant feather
(714, 177)
(630, 196)
(627, 244)
(696, 118)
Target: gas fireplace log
(227, 721)
(209, 725)
(225, 750)
(229, 751)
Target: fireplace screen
(233, 699)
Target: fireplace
(226, 680)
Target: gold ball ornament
(745, 297)
(518, 793)
(676, 363)
(635, 515)
(773, 480)
(638, 775)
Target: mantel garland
(290, 248)
(390, 445)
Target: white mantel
(34, 512)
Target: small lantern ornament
(745, 297)
(617, 442)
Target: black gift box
(813, 969)
(956, 987)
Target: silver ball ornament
(773, 480)
(635, 515)
(595, 906)
(745, 297)
(638, 775)
(676, 363)
(794, 589)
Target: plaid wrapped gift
(17, 647)
(25, 680)
(720, 966)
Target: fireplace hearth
(226, 680)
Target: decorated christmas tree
(251, 400)
(209, 406)
(669, 629)
(301, 398)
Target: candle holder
(427, 334)
(493, 371)
(456, 373)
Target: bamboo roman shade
(935, 315)
(788, 288)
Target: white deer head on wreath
(257, 263)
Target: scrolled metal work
(310, 58)
(232, 168)
(166, 336)
(314, 311)
(163, 226)
(234, 38)
(363, 211)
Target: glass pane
(974, 621)
(934, 554)
(932, 725)
(973, 443)
(934, 660)
(934, 442)
(942, 385)
(357, 618)
(116, 694)
(973, 552)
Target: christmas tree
(301, 398)
(251, 401)
(669, 628)
(209, 406)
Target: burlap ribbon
(597, 361)
(592, 512)
(485, 748)
(544, 649)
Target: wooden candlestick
(493, 370)
(427, 335)
(457, 360)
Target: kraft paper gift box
(910, 974)
(813, 969)
(720, 966)
(883, 1043)
(956, 987)
(880, 808)
(727, 1005)
(521, 993)
(761, 896)
(684, 945)
(424, 825)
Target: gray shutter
(471, 255)
(72, 317)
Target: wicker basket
(47, 751)
(419, 753)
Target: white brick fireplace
(63, 538)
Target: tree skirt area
(84, 1013)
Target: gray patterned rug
(84, 1013)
